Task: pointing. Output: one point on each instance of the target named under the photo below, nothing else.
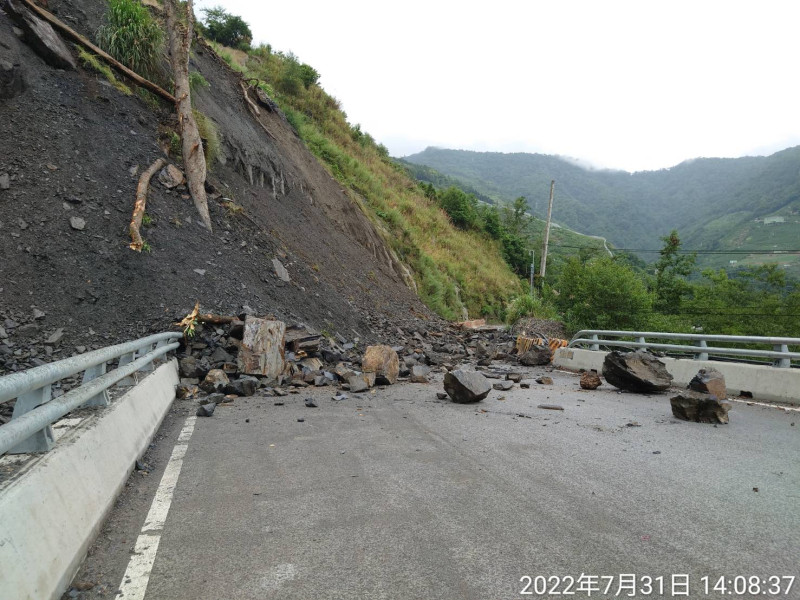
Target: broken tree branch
(250, 103)
(254, 109)
(215, 319)
(141, 201)
(64, 28)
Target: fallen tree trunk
(194, 160)
(141, 201)
(74, 35)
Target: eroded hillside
(73, 147)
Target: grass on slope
(452, 269)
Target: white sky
(639, 84)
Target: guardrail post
(126, 359)
(42, 440)
(783, 363)
(640, 340)
(140, 353)
(102, 398)
(702, 355)
(594, 346)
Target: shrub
(602, 294)
(132, 36)
(526, 305)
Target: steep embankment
(716, 204)
(73, 147)
(456, 272)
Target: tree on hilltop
(227, 29)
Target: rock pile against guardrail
(639, 371)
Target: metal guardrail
(34, 412)
(780, 353)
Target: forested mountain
(715, 204)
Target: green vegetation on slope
(452, 268)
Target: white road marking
(137, 575)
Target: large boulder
(639, 371)
(466, 386)
(700, 408)
(382, 361)
(262, 348)
(535, 356)
(709, 381)
(40, 35)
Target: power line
(771, 252)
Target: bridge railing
(35, 411)
(780, 354)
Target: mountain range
(726, 205)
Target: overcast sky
(633, 85)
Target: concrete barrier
(52, 511)
(766, 383)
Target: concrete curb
(765, 383)
(52, 512)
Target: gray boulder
(536, 356)
(244, 386)
(466, 386)
(700, 408)
(206, 410)
(639, 371)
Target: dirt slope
(71, 145)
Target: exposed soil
(73, 146)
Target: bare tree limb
(141, 201)
(254, 109)
(61, 26)
(194, 160)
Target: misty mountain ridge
(717, 204)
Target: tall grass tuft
(93, 62)
(132, 36)
(209, 133)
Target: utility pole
(532, 269)
(543, 267)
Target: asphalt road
(395, 494)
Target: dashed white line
(137, 575)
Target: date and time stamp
(631, 585)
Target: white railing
(34, 411)
(780, 353)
